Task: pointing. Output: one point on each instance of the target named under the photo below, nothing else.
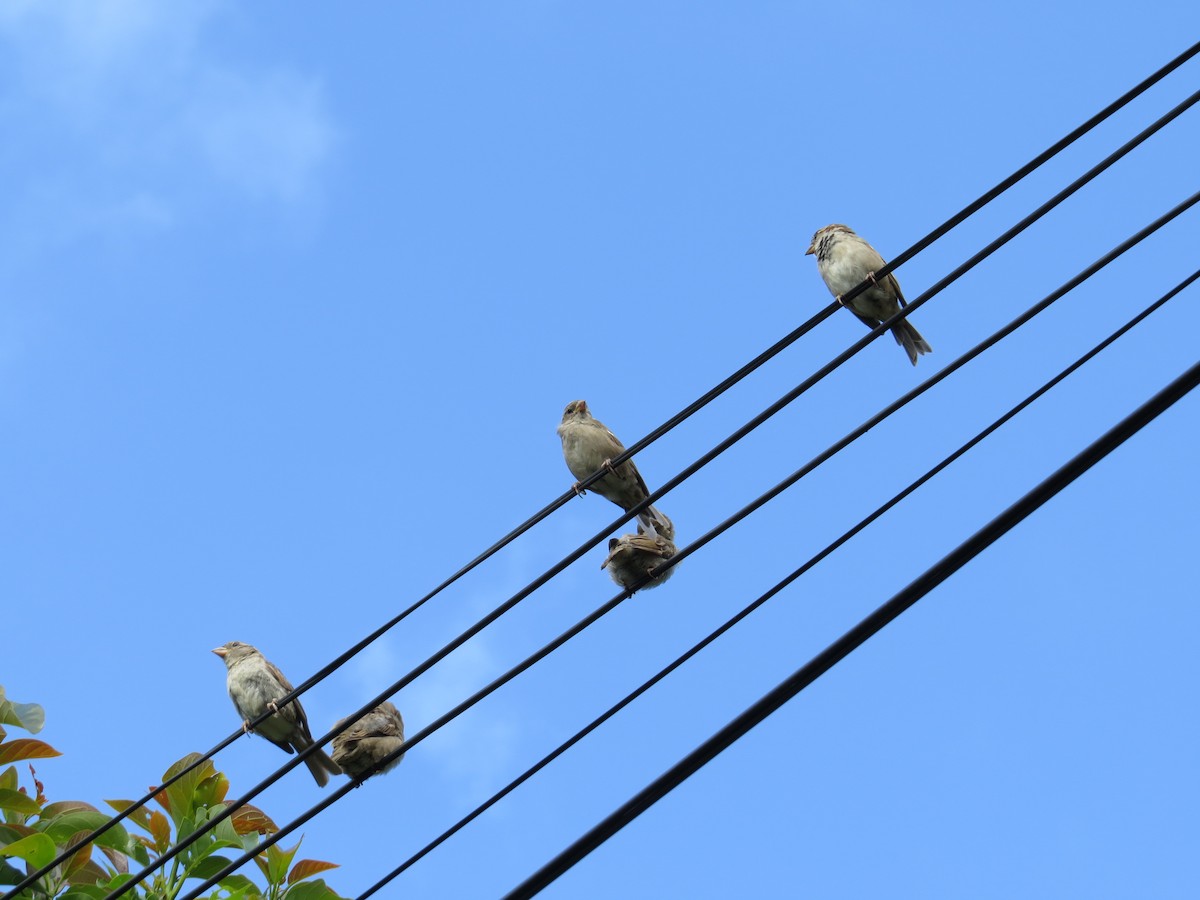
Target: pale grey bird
(254, 687)
(588, 447)
(845, 260)
(632, 557)
(375, 735)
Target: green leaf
(35, 849)
(208, 867)
(239, 886)
(18, 802)
(139, 852)
(29, 716)
(14, 831)
(181, 796)
(223, 831)
(312, 890)
(212, 790)
(25, 748)
(278, 861)
(8, 778)
(117, 881)
(85, 892)
(65, 824)
(62, 806)
(10, 875)
(262, 865)
(185, 827)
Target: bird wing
(293, 710)
(869, 321)
(637, 476)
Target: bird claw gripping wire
(870, 276)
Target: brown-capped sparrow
(375, 735)
(254, 686)
(632, 557)
(845, 260)
(589, 447)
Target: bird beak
(810, 251)
(221, 651)
(582, 406)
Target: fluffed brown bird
(632, 557)
(375, 735)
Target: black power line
(603, 610)
(763, 598)
(678, 479)
(671, 423)
(858, 635)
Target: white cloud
(472, 755)
(476, 751)
(78, 49)
(127, 113)
(267, 135)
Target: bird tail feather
(319, 764)
(910, 339)
(656, 524)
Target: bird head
(234, 651)
(823, 232)
(576, 409)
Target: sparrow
(632, 557)
(360, 747)
(588, 447)
(845, 260)
(254, 687)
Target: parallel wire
(955, 220)
(746, 611)
(756, 504)
(859, 634)
(682, 476)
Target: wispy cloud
(126, 115)
(475, 754)
(268, 134)
(469, 757)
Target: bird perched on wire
(374, 736)
(632, 557)
(845, 260)
(255, 685)
(588, 447)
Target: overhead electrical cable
(763, 598)
(601, 611)
(967, 211)
(859, 634)
(704, 460)
(721, 448)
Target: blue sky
(291, 301)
